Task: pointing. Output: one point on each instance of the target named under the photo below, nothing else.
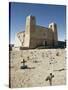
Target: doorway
(45, 43)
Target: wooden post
(49, 78)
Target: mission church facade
(35, 35)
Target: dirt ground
(40, 63)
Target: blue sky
(44, 14)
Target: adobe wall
(19, 39)
(40, 36)
(36, 35)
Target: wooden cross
(49, 78)
(23, 62)
(24, 66)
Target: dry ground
(41, 63)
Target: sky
(44, 13)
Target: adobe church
(35, 35)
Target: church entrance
(45, 43)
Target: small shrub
(28, 57)
(53, 58)
(57, 54)
(35, 61)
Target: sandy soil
(40, 62)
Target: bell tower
(30, 24)
(30, 27)
(53, 27)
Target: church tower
(53, 27)
(30, 24)
(30, 27)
